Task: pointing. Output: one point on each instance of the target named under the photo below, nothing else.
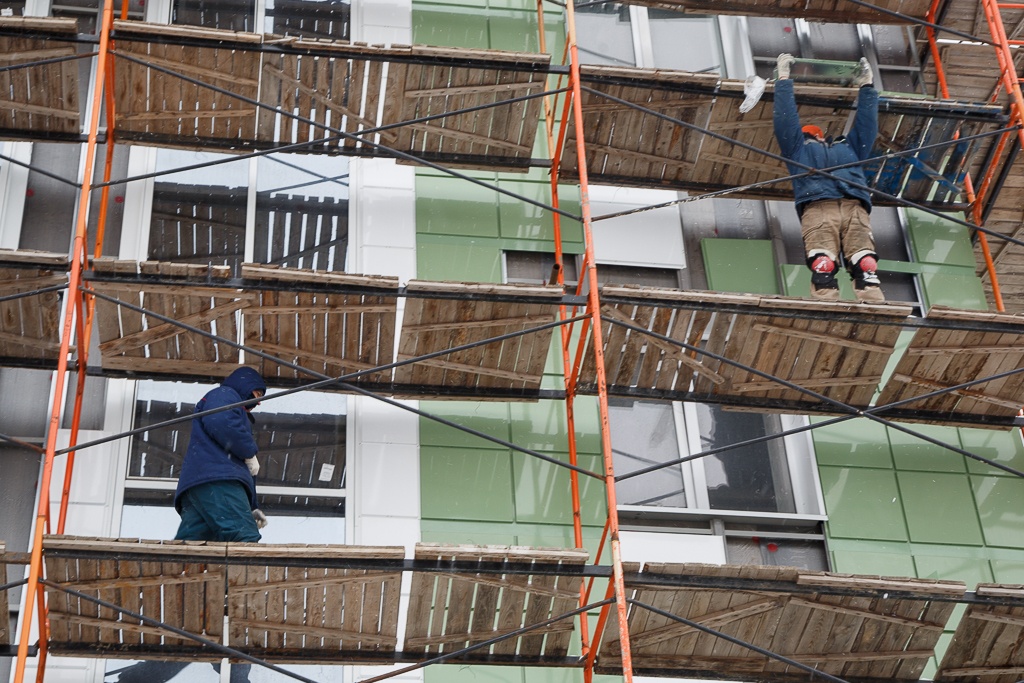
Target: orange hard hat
(814, 130)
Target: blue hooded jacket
(856, 146)
(221, 442)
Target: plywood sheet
(838, 11)
(889, 636)
(441, 316)
(986, 645)
(452, 611)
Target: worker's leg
(223, 507)
(859, 251)
(820, 227)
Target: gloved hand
(254, 465)
(783, 64)
(259, 518)
(864, 75)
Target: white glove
(254, 465)
(784, 62)
(259, 518)
(864, 75)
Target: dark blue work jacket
(221, 442)
(806, 150)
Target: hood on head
(245, 380)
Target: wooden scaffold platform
(509, 605)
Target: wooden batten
(837, 11)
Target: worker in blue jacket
(216, 494)
(834, 210)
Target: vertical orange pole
(88, 301)
(33, 588)
(570, 417)
(594, 310)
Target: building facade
(854, 497)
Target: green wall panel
(958, 289)
(736, 265)
(454, 207)
(543, 492)
(542, 425)
(854, 443)
(466, 483)
(939, 508)
(488, 417)
(449, 24)
(912, 453)
(968, 570)
(468, 260)
(1008, 571)
(1005, 448)
(936, 240)
(524, 221)
(862, 503)
(877, 563)
(1000, 502)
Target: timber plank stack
(839, 11)
(30, 325)
(39, 100)
(5, 622)
(433, 324)
(859, 637)
(986, 645)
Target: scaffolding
(660, 344)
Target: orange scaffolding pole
(617, 585)
(34, 589)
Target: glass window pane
(754, 477)
(309, 18)
(645, 435)
(198, 215)
(50, 202)
(604, 34)
(233, 15)
(685, 42)
(301, 437)
(302, 211)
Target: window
(302, 442)
(299, 219)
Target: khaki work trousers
(834, 226)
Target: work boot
(866, 284)
(823, 279)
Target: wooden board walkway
(432, 324)
(939, 359)
(823, 350)
(853, 637)
(30, 325)
(328, 325)
(340, 604)
(337, 90)
(39, 83)
(836, 11)
(986, 645)
(627, 146)
(5, 602)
